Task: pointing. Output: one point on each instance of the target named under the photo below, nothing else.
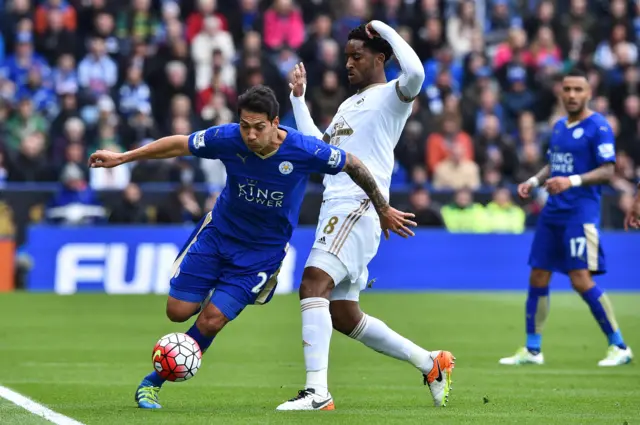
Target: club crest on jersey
(340, 129)
(578, 133)
(285, 167)
(198, 140)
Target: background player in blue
(581, 158)
(237, 248)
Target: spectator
(43, 97)
(283, 26)
(181, 207)
(502, 216)
(211, 38)
(439, 144)
(75, 203)
(461, 28)
(463, 215)
(457, 171)
(64, 76)
(517, 100)
(57, 39)
(195, 21)
(97, 72)
(427, 213)
(496, 150)
(29, 163)
(130, 210)
(133, 92)
(66, 16)
(17, 66)
(139, 22)
(24, 121)
(246, 19)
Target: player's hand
(105, 159)
(524, 190)
(397, 222)
(557, 184)
(632, 219)
(370, 31)
(298, 80)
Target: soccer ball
(176, 357)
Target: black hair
(576, 72)
(375, 44)
(259, 99)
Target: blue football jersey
(577, 149)
(260, 203)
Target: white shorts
(347, 238)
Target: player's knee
(539, 278)
(179, 312)
(315, 283)
(211, 320)
(581, 280)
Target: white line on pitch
(36, 408)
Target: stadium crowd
(81, 75)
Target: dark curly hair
(259, 99)
(375, 44)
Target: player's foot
(147, 396)
(439, 378)
(308, 400)
(523, 356)
(616, 356)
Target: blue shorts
(239, 275)
(564, 247)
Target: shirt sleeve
(605, 144)
(206, 143)
(324, 158)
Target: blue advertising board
(135, 260)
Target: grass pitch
(84, 355)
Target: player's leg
(436, 366)
(586, 258)
(546, 249)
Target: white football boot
(523, 356)
(308, 400)
(439, 378)
(616, 356)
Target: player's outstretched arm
(524, 189)
(167, 147)
(390, 218)
(410, 82)
(298, 85)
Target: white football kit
(367, 125)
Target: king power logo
(251, 192)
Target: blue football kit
(567, 234)
(238, 248)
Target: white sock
(316, 336)
(375, 334)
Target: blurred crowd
(81, 75)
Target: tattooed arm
(361, 176)
(390, 218)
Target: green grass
(84, 355)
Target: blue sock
(603, 313)
(537, 310)
(203, 341)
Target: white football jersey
(367, 125)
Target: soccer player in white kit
(368, 124)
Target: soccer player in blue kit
(581, 158)
(238, 248)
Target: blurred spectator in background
(440, 144)
(116, 178)
(427, 213)
(457, 171)
(130, 210)
(75, 203)
(130, 72)
(463, 215)
(181, 207)
(502, 215)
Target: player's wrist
(534, 181)
(575, 180)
